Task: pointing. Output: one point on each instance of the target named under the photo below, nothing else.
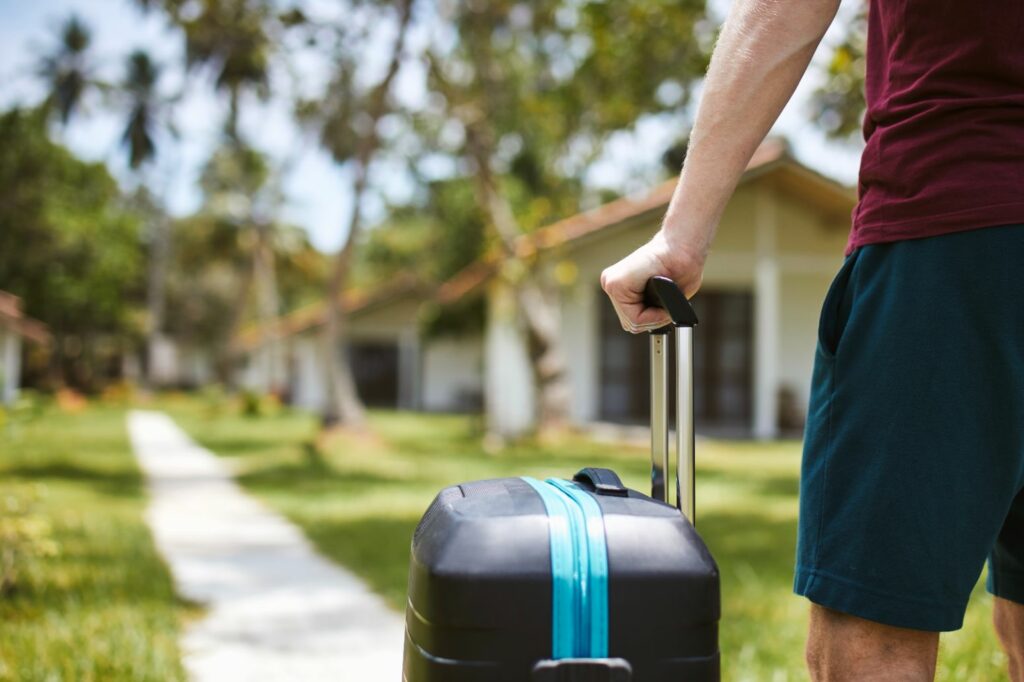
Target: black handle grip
(661, 292)
(602, 481)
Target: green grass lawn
(360, 502)
(97, 602)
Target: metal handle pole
(685, 474)
(659, 417)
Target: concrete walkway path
(276, 610)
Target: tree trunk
(227, 350)
(268, 301)
(343, 405)
(539, 312)
(155, 300)
(548, 361)
(536, 308)
(231, 122)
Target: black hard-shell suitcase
(587, 581)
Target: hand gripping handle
(662, 292)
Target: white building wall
(409, 369)
(164, 361)
(802, 295)
(581, 345)
(10, 368)
(767, 313)
(581, 303)
(508, 380)
(253, 375)
(452, 374)
(296, 363)
(309, 383)
(197, 369)
(768, 243)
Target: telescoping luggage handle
(662, 292)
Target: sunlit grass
(102, 607)
(361, 499)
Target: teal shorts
(913, 465)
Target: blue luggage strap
(579, 570)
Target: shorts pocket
(835, 310)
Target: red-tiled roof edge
(772, 150)
(314, 314)
(22, 325)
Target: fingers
(646, 324)
(624, 283)
(634, 316)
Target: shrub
(25, 536)
(251, 403)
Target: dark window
(722, 363)
(375, 371)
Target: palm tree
(144, 108)
(146, 113)
(68, 71)
(240, 188)
(231, 38)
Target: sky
(317, 194)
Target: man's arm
(762, 53)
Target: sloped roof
(772, 157)
(315, 314)
(12, 318)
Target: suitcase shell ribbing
(480, 588)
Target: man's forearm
(762, 53)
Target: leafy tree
(69, 247)
(345, 121)
(242, 192)
(433, 240)
(838, 105)
(68, 74)
(203, 279)
(210, 261)
(537, 89)
(234, 41)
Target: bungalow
(392, 365)
(15, 326)
(779, 243)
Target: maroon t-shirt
(945, 119)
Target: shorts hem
(1007, 585)
(850, 597)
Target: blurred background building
(779, 244)
(400, 204)
(15, 328)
